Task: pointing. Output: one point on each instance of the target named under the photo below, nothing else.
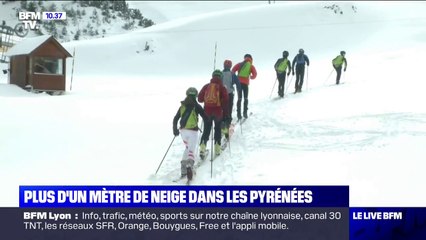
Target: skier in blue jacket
(299, 61)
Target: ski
(179, 179)
(244, 119)
(277, 98)
(188, 181)
(225, 140)
(231, 130)
(224, 144)
(196, 165)
(203, 158)
(184, 177)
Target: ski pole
(229, 140)
(212, 148)
(201, 131)
(329, 75)
(276, 80)
(307, 77)
(289, 83)
(229, 145)
(215, 50)
(165, 154)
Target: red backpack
(212, 95)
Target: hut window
(46, 65)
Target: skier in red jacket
(246, 71)
(215, 98)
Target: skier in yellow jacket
(337, 64)
(281, 67)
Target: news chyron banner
(203, 212)
(179, 212)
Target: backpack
(244, 69)
(227, 81)
(300, 59)
(212, 95)
(189, 118)
(338, 61)
(282, 67)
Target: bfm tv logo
(29, 19)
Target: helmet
(227, 64)
(248, 56)
(192, 91)
(217, 73)
(301, 50)
(285, 54)
(342, 52)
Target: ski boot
(189, 173)
(225, 132)
(202, 150)
(217, 149)
(183, 171)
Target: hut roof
(28, 45)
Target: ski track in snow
(287, 134)
(338, 133)
(224, 165)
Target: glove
(344, 70)
(293, 73)
(288, 74)
(175, 132)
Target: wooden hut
(38, 64)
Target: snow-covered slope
(116, 124)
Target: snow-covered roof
(27, 46)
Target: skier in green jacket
(281, 66)
(338, 63)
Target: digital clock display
(54, 15)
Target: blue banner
(387, 223)
(249, 212)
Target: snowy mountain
(85, 19)
(114, 126)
